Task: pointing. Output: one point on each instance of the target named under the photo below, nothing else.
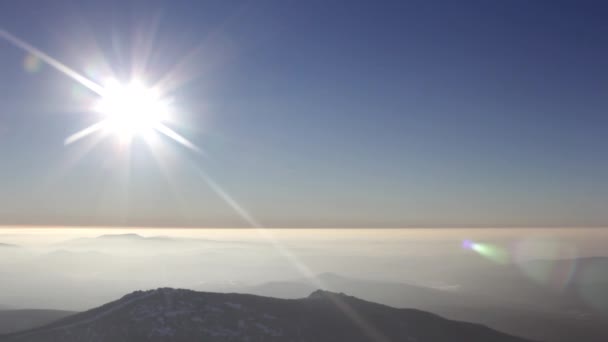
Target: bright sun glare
(128, 110)
(131, 109)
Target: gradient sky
(315, 113)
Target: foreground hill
(15, 320)
(183, 315)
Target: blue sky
(316, 113)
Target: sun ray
(52, 62)
(265, 233)
(194, 63)
(366, 327)
(156, 152)
(164, 129)
(144, 39)
(85, 132)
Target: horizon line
(137, 227)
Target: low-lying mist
(75, 269)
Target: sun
(131, 109)
(127, 109)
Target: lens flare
(31, 63)
(489, 251)
(547, 262)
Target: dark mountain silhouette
(15, 320)
(184, 315)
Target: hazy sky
(315, 113)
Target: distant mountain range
(503, 314)
(182, 315)
(114, 238)
(395, 294)
(134, 243)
